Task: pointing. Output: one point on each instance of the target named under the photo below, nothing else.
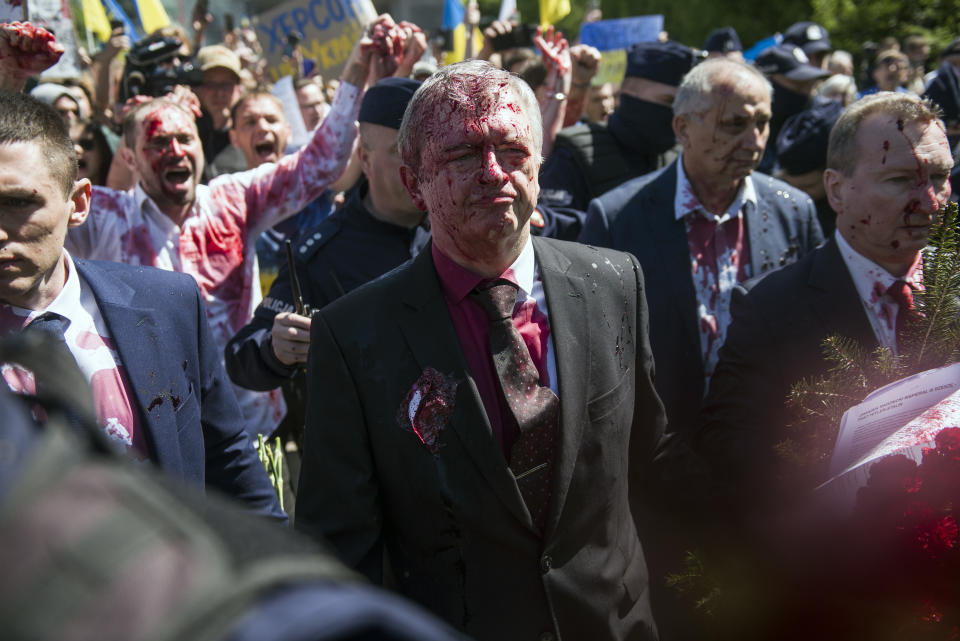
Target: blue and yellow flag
(553, 10)
(95, 19)
(152, 15)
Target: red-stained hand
(183, 96)
(376, 54)
(25, 51)
(414, 44)
(388, 42)
(554, 49)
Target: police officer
(375, 231)
(723, 42)
(793, 78)
(802, 154)
(589, 159)
(812, 38)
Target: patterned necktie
(902, 293)
(50, 325)
(535, 407)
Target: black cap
(385, 102)
(802, 143)
(809, 36)
(723, 40)
(667, 62)
(789, 61)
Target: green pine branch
(932, 339)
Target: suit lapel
(135, 336)
(566, 303)
(667, 238)
(428, 329)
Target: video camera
(153, 68)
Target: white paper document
(901, 417)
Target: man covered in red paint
(169, 220)
(887, 178)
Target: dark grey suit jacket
(779, 324)
(638, 217)
(458, 535)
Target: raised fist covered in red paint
(377, 53)
(25, 51)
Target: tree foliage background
(850, 22)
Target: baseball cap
(723, 40)
(666, 62)
(385, 102)
(789, 61)
(213, 56)
(809, 36)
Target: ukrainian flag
(152, 15)
(552, 11)
(95, 19)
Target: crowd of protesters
(702, 170)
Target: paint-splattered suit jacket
(779, 323)
(192, 423)
(458, 536)
(638, 217)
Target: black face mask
(641, 126)
(785, 104)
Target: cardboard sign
(54, 16)
(607, 35)
(13, 10)
(330, 29)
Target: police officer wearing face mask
(589, 159)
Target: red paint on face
(725, 143)
(169, 156)
(894, 197)
(478, 176)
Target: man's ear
(833, 185)
(79, 202)
(233, 138)
(680, 129)
(362, 157)
(127, 155)
(413, 187)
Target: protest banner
(55, 17)
(613, 37)
(609, 35)
(13, 10)
(330, 28)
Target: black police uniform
(590, 159)
(346, 250)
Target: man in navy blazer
(887, 176)
(703, 224)
(139, 335)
